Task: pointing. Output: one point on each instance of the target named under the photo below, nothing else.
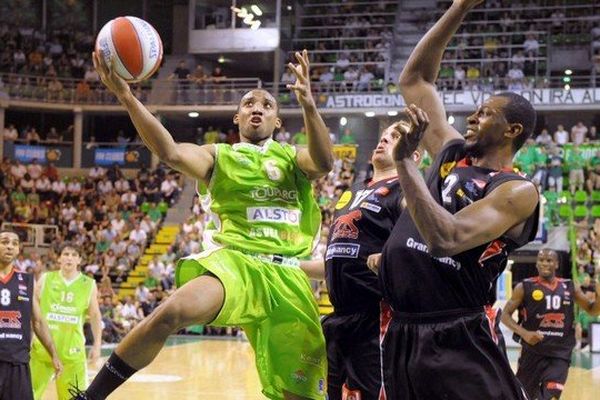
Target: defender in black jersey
(547, 333)
(364, 217)
(19, 311)
(440, 265)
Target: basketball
(133, 44)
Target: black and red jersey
(414, 281)
(16, 300)
(364, 218)
(549, 308)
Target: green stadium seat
(596, 196)
(551, 197)
(596, 211)
(581, 212)
(581, 197)
(565, 212)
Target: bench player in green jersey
(66, 297)
(265, 219)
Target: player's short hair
(13, 231)
(70, 245)
(519, 110)
(262, 90)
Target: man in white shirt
(18, 170)
(137, 234)
(578, 133)
(561, 137)
(97, 173)
(34, 169)
(121, 185)
(147, 225)
(129, 198)
(544, 138)
(169, 189)
(365, 79)
(10, 133)
(531, 45)
(105, 186)
(58, 189)
(118, 223)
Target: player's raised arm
(591, 307)
(188, 158)
(317, 160)
(417, 80)
(448, 234)
(532, 338)
(40, 327)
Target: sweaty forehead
(495, 102)
(548, 254)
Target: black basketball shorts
(543, 377)
(15, 382)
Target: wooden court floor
(196, 368)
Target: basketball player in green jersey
(265, 219)
(66, 297)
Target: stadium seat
(580, 211)
(596, 196)
(565, 212)
(581, 197)
(565, 197)
(595, 211)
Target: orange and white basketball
(134, 45)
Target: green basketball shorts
(271, 299)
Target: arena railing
(442, 6)
(343, 27)
(369, 14)
(329, 3)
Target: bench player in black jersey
(364, 217)
(19, 311)
(440, 265)
(546, 306)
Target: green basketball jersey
(260, 201)
(65, 305)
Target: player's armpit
(193, 160)
(308, 166)
(509, 205)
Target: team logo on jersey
(344, 227)
(360, 196)
(370, 207)
(383, 191)
(342, 250)
(299, 376)
(537, 295)
(446, 168)
(10, 319)
(344, 200)
(553, 320)
(274, 215)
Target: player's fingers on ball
(412, 116)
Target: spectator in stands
(181, 73)
(53, 136)
(515, 76)
(459, 77)
(34, 169)
(541, 169)
(141, 293)
(55, 90)
(105, 186)
(300, 137)
(592, 134)
(97, 173)
(18, 170)
(364, 81)
(578, 133)
(10, 133)
(283, 135)
(137, 234)
(152, 190)
(169, 189)
(149, 305)
(351, 76)
(593, 181)
(576, 163)
(531, 46)
(217, 76)
(561, 136)
(199, 76)
(211, 136)
(326, 79)
(544, 138)
(129, 314)
(287, 77)
(32, 136)
(348, 137)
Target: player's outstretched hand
(57, 365)
(302, 85)
(532, 338)
(109, 77)
(411, 133)
(373, 262)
